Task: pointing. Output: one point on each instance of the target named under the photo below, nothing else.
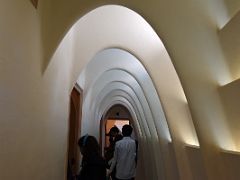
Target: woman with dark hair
(115, 136)
(93, 164)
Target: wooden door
(74, 131)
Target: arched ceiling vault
(131, 85)
(116, 57)
(138, 85)
(116, 26)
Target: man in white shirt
(125, 156)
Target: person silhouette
(93, 166)
(115, 136)
(124, 158)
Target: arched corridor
(173, 66)
(115, 76)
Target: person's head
(127, 130)
(113, 131)
(88, 145)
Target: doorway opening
(116, 116)
(119, 123)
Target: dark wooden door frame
(74, 130)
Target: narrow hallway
(170, 68)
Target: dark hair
(89, 145)
(127, 130)
(114, 129)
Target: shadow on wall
(232, 7)
(196, 162)
(53, 33)
(35, 3)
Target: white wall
(34, 96)
(33, 106)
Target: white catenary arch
(113, 45)
(131, 84)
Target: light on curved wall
(152, 70)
